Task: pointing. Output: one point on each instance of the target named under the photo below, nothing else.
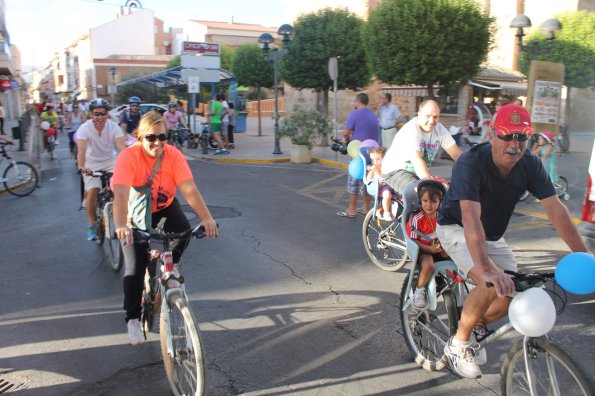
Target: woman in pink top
(133, 168)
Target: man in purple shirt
(361, 125)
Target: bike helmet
(172, 103)
(98, 102)
(434, 180)
(134, 99)
(547, 136)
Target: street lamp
(113, 85)
(549, 27)
(265, 39)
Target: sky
(40, 28)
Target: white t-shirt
(410, 139)
(226, 116)
(100, 149)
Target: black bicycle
(106, 229)
(19, 178)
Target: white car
(587, 226)
(144, 107)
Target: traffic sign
(333, 68)
(193, 85)
(205, 76)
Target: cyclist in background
(487, 182)
(74, 119)
(130, 117)
(133, 168)
(50, 116)
(95, 143)
(174, 117)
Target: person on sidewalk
(214, 120)
(415, 146)
(231, 126)
(388, 114)
(487, 182)
(361, 125)
(2, 117)
(95, 142)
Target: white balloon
(45, 125)
(532, 312)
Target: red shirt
(424, 224)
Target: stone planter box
(300, 154)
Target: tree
(252, 70)
(319, 36)
(574, 46)
(227, 55)
(433, 41)
(174, 62)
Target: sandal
(345, 214)
(361, 211)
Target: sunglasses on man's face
(153, 138)
(520, 137)
(99, 113)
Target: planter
(300, 154)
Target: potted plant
(303, 128)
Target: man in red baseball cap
(487, 182)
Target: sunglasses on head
(520, 137)
(153, 138)
(99, 113)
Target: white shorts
(452, 239)
(95, 182)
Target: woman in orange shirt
(133, 168)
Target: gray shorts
(452, 239)
(398, 179)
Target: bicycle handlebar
(145, 236)
(98, 173)
(526, 281)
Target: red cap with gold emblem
(511, 118)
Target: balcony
(7, 67)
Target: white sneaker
(419, 298)
(462, 359)
(135, 334)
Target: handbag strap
(154, 171)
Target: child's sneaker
(387, 217)
(92, 232)
(461, 357)
(419, 298)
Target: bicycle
(106, 229)
(165, 291)
(561, 187)
(20, 177)
(426, 331)
(176, 137)
(384, 241)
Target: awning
(408, 90)
(173, 78)
(513, 88)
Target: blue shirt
(363, 123)
(476, 178)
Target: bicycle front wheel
(20, 178)
(384, 242)
(181, 348)
(553, 372)
(100, 224)
(425, 331)
(115, 249)
(562, 188)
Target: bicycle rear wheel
(554, 372)
(384, 242)
(20, 178)
(426, 332)
(181, 348)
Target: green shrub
(304, 127)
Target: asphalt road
(287, 300)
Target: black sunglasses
(99, 113)
(520, 137)
(153, 138)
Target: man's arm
(421, 169)
(560, 218)
(477, 245)
(121, 142)
(454, 151)
(347, 135)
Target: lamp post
(265, 39)
(549, 27)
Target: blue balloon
(576, 273)
(356, 168)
